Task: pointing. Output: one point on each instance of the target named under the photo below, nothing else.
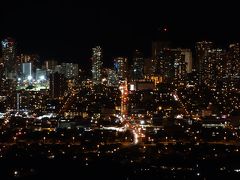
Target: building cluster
(166, 64)
(23, 74)
(152, 81)
(143, 112)
(217, 65)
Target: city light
(42, 78)
(147, 106)
(29, 78)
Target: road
(134, 128)
(69, 101)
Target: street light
(29, 78)
(14, 138)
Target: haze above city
(67, 30)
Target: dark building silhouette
(58, 85)
(138, 66)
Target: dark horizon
(68, 30)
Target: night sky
(67, 30)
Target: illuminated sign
(132, 88)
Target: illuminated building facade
(9, 58)
(120, 67)
(27, 58)
(202, 50)
(96, 64)
(171, 64)
(27, 71)
(112, 78)
(188, 59)
(41, 75)
(160, 43)
(214, 67)
(165, 64)
(212, 63)
(180, 71)
(37, 78)
(1, 71)
(70, 70)
(58, 68)
(233, 61)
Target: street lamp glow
(29, 78)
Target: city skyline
(119, 90)
(69, 30)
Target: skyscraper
(70, 70)
(165, 64)
(233, 61)
(9, 60)
(138, 66)
(157, 46)
(212, 64)
(202, 50)
(96, 64)
(28, 58)
(120, 67)
(172, 64)
(179, 65)
(50, 65)
(27, 71)
(58, 85)
(41, 75)
(1, 72)
(149, 67)
(112, 78)
(188, 59)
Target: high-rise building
(69, 70)
(112, 78)
(28, 58)
(9, 58)
(27, 71)
(233, 61)
(180, 71)
(138, 66)
(158, 46)
(58, 85)
(202, 50)
(149, 68)
(171, 64)
(1, 72)
(41, 75)
(96, 64)
(58, 68)
(120, 67)
(50, 65)
(213, 67)
(165, 64)
(188, 59)
(217, 61)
